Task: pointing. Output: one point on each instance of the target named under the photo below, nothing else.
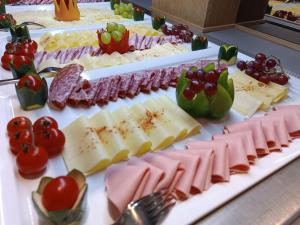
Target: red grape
(190, 75)
(256, 75)
(251, 64)
(242, 65)
(282, 79)
(271, 63)
(211, 76)
(258, 66)
(274, 78)
(250, 71)
(264, 79)
(201, 74)
(196, 86)
(210, 88)
(260, 57)
(188, 93)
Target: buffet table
(282, 206)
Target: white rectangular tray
(15, 192)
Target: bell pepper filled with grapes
(205, 92)
(158, 21)
(199, 42)
(32, 91)
(61, 200)
(228, 54)
(138, 14)
(114, 39)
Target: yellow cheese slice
(83, 150)
(132, 137)
(111, 140)
(148, 122)
(245, 103)
(166, 119)
(179, 115)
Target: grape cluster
(264, 69)
(285, 15)
(113, 30)
(123, 9)
(180, 30)
(200, 80)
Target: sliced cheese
(167, 120)
(83, 150)
(245, 103)
(111, 140)
(147, 121)
(132, 137)
(179, 115)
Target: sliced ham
(172, 169)
(190, 164)
(202, 179)
(124, 183)
(257, 133)
(221, 170)
(246, 138)
(292, 120)
(155, 177)
(289, 107)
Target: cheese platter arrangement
(201, 121)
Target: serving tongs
(46, 70)
(26, 23)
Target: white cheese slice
(146, 120)
(103, 124)
(83, 150)
(133, 137)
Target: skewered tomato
(20, 60)
(60, 193)
(32, 82)
(32, 161)
(18, 139)
(5, 59)
(17, 124)
(52, 140)
(44, 123)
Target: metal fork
(149, 210)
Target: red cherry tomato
(20, 60)
(24, 50)
(32, 161)
(6, 58)
(33, 45)
(52, 139)
(18, 139)
(2, 16)
(17, 124)
(60, 193)
(44, 123)
(32, 82)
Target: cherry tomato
(24, 50)
(33, 45)
(32, 82)
(60, 193)
(6, 58)
(17, 124)
(52, 139)
(2, 16)
(32, 161)
(9, 47)
(18, 139)
(20, 60)
(44, 123)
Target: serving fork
(149, 210)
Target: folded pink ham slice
(124, 183)
(172, 169)
(292, 120)
(202, 179)
(257, 133)
(220, 171)
(291, 107)
(190, 164)
(246, 138)
(155, 177)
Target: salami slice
(166, 78)
(125, 83)
(103, 91)
(147, 82)
(134, 88)
(156, 80)
(114, 88)
(63, 84)
(132, 42)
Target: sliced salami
(114, 88)
(147, 82)
(63, 84)
(103, 91)
(134, 88)
(166, 78)
(125, 83)
(156, 78)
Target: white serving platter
(15, 192)
(50, 7)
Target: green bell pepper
(22, 65)
(138, 14)
(158, 21)
(2, 7)
(199, 42)
(19, 33)
(214, 106)
(228, 54)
